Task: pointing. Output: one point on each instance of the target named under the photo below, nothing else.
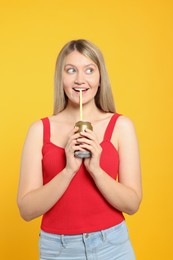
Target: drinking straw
(81, 115)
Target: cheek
(66, 81)
(94, 81)
(66, 84)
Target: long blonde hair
(104, 98)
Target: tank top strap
(110, 127)
(46, 130)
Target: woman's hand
(88, 141)
(73, 163)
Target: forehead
(78, 59)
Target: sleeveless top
(82, 208)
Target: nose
(79, 79)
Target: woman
(80, 199)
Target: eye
(70, 70)
(89, 70)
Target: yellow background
(136, 38)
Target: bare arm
(126, 194)
(34, 198)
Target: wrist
(68, 172)
(96, 173)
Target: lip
(77, 89)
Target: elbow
(25, 216)
(25, 213)
(132, 210)
(134, 207)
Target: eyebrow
(90, 64)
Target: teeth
(78, 89)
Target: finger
(71, 142)
(73, 130)
(92, 148)
(88, 130)
(90, 142)
(78, 148)
(76, 128)
(72, 138)
(82, 140)
(88, 136)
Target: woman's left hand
(88, 141)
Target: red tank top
(82, 208)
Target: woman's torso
(82, 208)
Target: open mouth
(78, 89)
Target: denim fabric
(109, 244)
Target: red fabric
(82, 208)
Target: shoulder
(124, 122)
(35, 130)
(34, 138)
(125, 129)
(36, 126)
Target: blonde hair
(104, 98)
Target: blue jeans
(109, 244)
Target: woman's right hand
(73, 163)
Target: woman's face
(80, 73)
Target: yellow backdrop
(136, 39)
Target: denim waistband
(65, 238)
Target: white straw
(81, 116)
